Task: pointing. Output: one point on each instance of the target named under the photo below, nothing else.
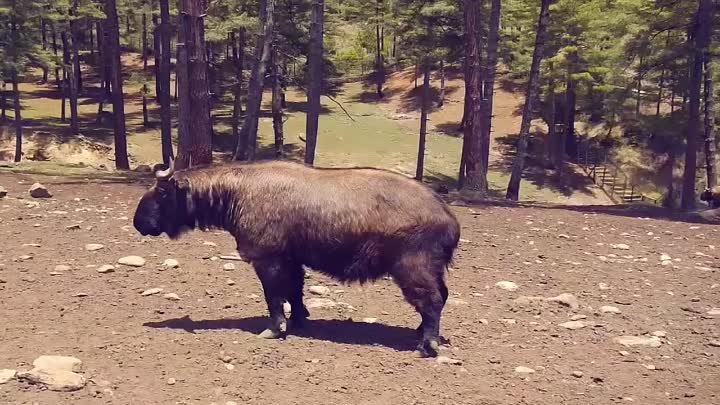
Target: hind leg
(276, 279)
(299, 312)
(420, 280)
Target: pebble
(577, 374)
(3, 192)
(448, 360)
(506, 285)
(132, 261)
(7, 375)
(229, 366)
(37, 190)
(91, 247)
(171, 297)
(228, 267)
(106, 268)
(608, 309)
(170, 263)
(151, 291)
(369, 320)
(659, 333)
(628, 341)
(620, 246)
(714, 311)
(524, 370)
(62, 267)
(170, 381)
(230, 282)
(236, 258)
(573, 325)
(714, 343)
(664, 257)
(319, 290)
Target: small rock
(665, 257)
(714, 343)
(448, 360)
(229, 366)
(72, 227)
(62, 267)
(37, 190)
(151, 291)
(3, 192)
(228, 267)
(91, 247)
(506, 285)
(369, 320)
(320, 303)
(171, 381)
(578, 317)
(171, 297)
(230, 282)
(563, 236)
(608, 309)
(80, 295)
(65, 363)
(577, 374)
(573, 325)
(211, 244)
(106, 268)
(566, 299)
(170, 263)
(54, 380)
(628, 341)
(7, 375)
(236, 258)
(620, 246)
(524, 370)
(319, 290)
(714, 311)
(132, 261)
(659, 333)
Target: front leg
(276, 281)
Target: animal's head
(163, 207)
(706, 195)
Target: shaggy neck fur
(209, 204)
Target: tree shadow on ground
(331, 330)
(450, 128)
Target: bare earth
(151, 350)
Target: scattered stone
(171, 381)
(62, 267)
(228, 267)
(714, 311)
(229, 366)
(320, 303)
(7, 375)
(54, 380)
(448, 360)
(664, 257)
(620, 246)
(73, 227)
(151, 291)
(207, 243)
(132, 261)
(506, 285)
(319, 290)
(231, 282)
(628, 341)
(524, 370)
(577, 374)
(65, 363)
(573, 325)
(106, 268)
(80, 295)
(659, 333)
(91, 247)
(369, 320)
(171, 297)
(236, 258)
(566, 299)
(714, 343)
(170, 263)
(37, 190)
(608, 309)
(3, 192)
(563, 236)
(578, 317)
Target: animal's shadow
(399, 338)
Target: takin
(711, 196)
(353, 224)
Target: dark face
(158, 211)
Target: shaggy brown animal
(355, 225)
(711, 196)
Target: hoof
(427, 349)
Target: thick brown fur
(711, 196)
(355, 225)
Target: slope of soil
(151, 350)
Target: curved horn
(165, 174)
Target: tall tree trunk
(513, 190)
(472, 167)
(379, 63)
(709, 120)
(702, 32)
(55, 52)
(489, 79)
(163, 79)
(144, 41)
(157, 50)
(75, 44)
(18, 117)
(238, 50)
(315, 61)
(43, 31)
(638, 100)
(247, 140)
(661, 83)
(69, 61)
(277, 108)
(146, 117)
(423, 121)
(194, 136)
(570, 106)
(441, 96)
(112, 47)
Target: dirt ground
(202, 349)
